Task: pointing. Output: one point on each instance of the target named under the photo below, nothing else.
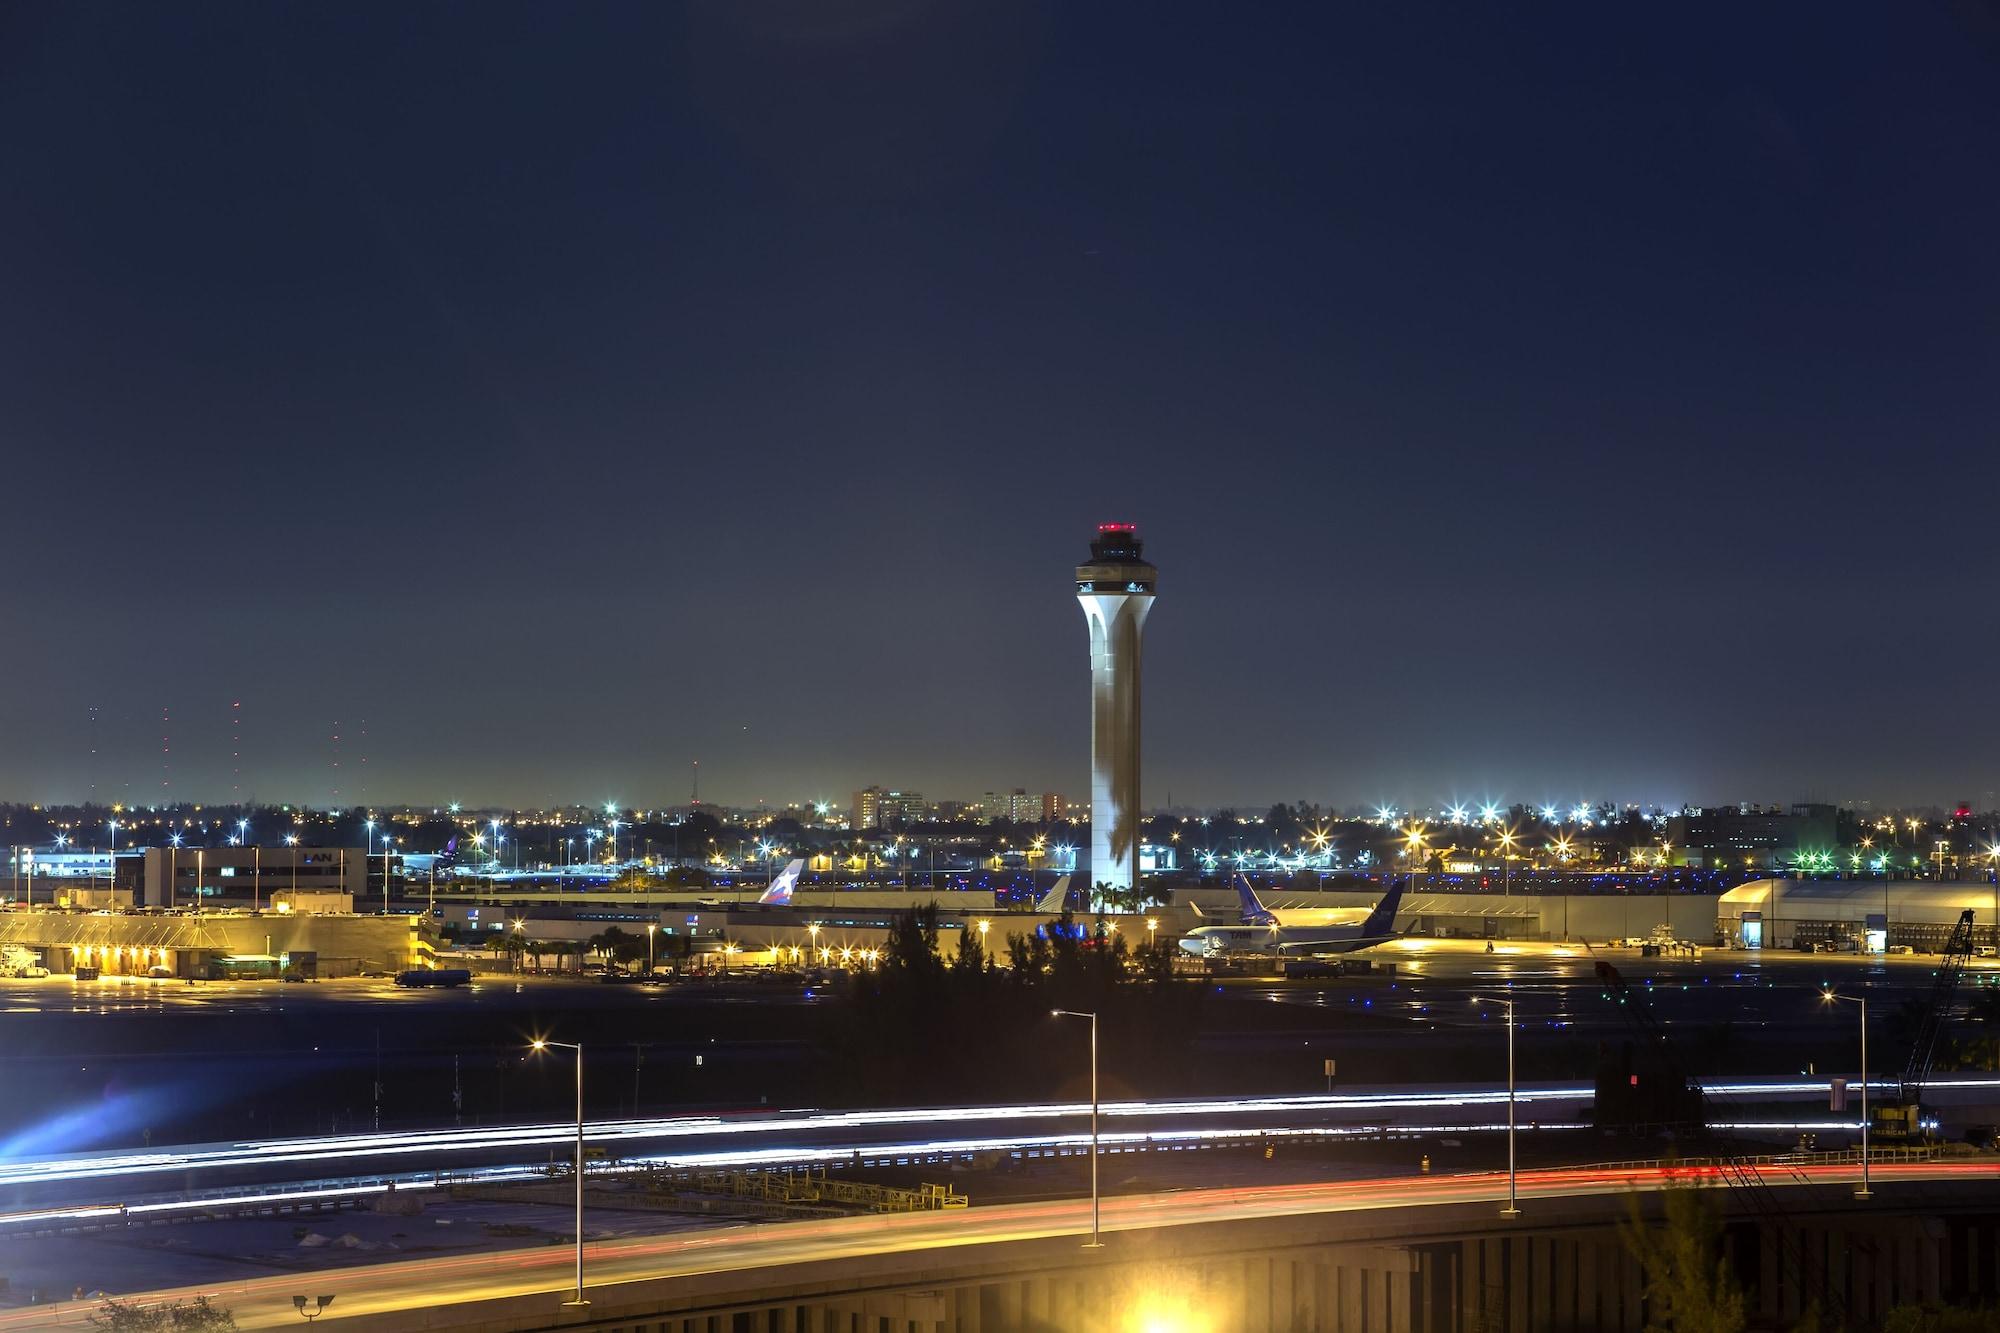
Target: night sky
(1520, 402)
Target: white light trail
(815, 1123)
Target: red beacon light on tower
(1126, 528)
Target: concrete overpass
(1400, 1255)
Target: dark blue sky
(1536, 402)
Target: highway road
(720, 1139)
(548, 1271)
(167, 1181)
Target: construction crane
(1903, 1119)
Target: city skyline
(1020, 806)
(572, 396)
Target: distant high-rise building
(904, 807)
(874, 807)
(1016, 806)
(1053, 806)
(1115, 588)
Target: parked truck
(434, 976)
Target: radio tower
(1115, 589)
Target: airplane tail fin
(1052, 901)
(1381, 922)
(780, 892)
(1254, 912)
(1199, 914)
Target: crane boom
(1901, 1119)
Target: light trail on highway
(796, 1149)
(355, 1148)
(348, 1146)
(384, 1289)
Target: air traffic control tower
(1115, 588)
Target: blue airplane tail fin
(1382, 921)
(1254, 912)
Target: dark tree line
(924, 1027)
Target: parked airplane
(1310, 930)
(444, 864)
(1052, 902)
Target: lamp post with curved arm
(1864, 1192)
(1513, 1208)
(1096, 1238)
(540, 1044)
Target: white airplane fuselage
(1278, 938)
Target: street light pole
(1513, 1208)
(538, 1044)
(1864, 1192)
(1096, 1241)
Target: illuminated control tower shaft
(1115, 589)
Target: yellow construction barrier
(813, 1187)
